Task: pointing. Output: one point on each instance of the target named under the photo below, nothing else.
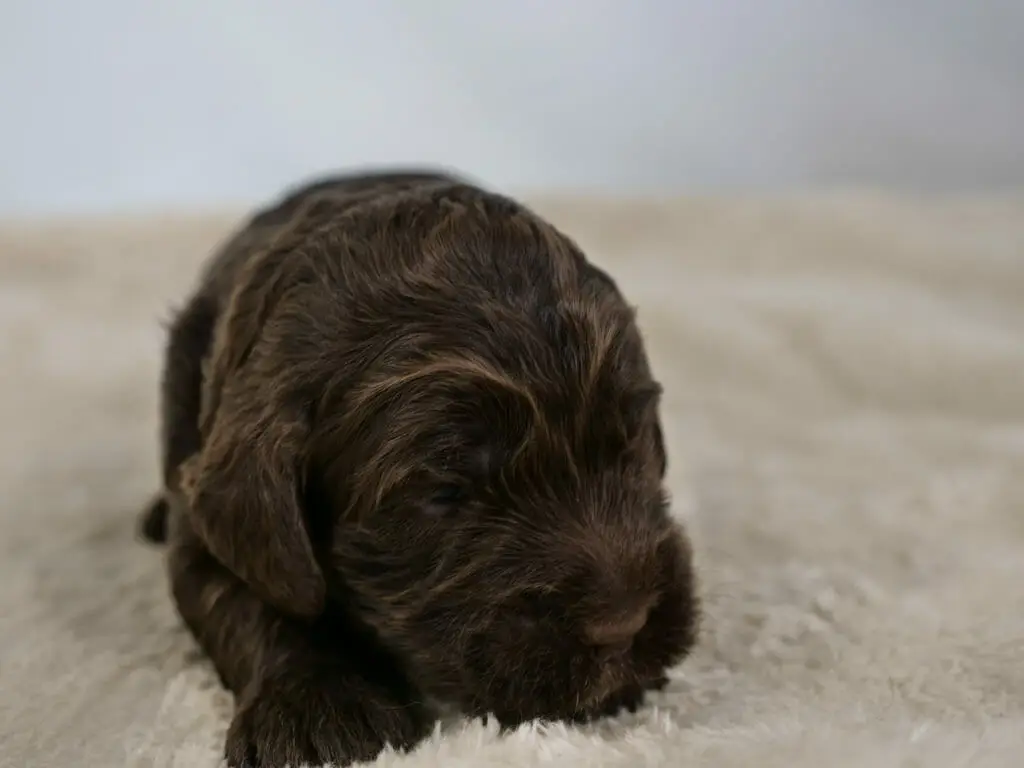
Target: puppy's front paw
(315, 720)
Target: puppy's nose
(617, 632)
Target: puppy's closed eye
(446, 499)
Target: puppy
(412, 453)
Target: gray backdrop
(136, 103)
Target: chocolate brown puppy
(412, 453)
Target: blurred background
(137, 104)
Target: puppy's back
(344, 186)
(340, 192)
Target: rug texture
(844, 408)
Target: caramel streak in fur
(456, 367)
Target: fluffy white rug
(845, 408)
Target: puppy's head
(445, 417)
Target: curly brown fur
(411, 451)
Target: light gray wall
(136, 103)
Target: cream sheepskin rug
(845, 411)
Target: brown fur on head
(427, 410)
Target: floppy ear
(245, 485)
(641, 410)
(659, 448)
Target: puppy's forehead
(566, 332)
(518, 300)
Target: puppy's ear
(641, 411)
(659, 448)
(245, 485)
